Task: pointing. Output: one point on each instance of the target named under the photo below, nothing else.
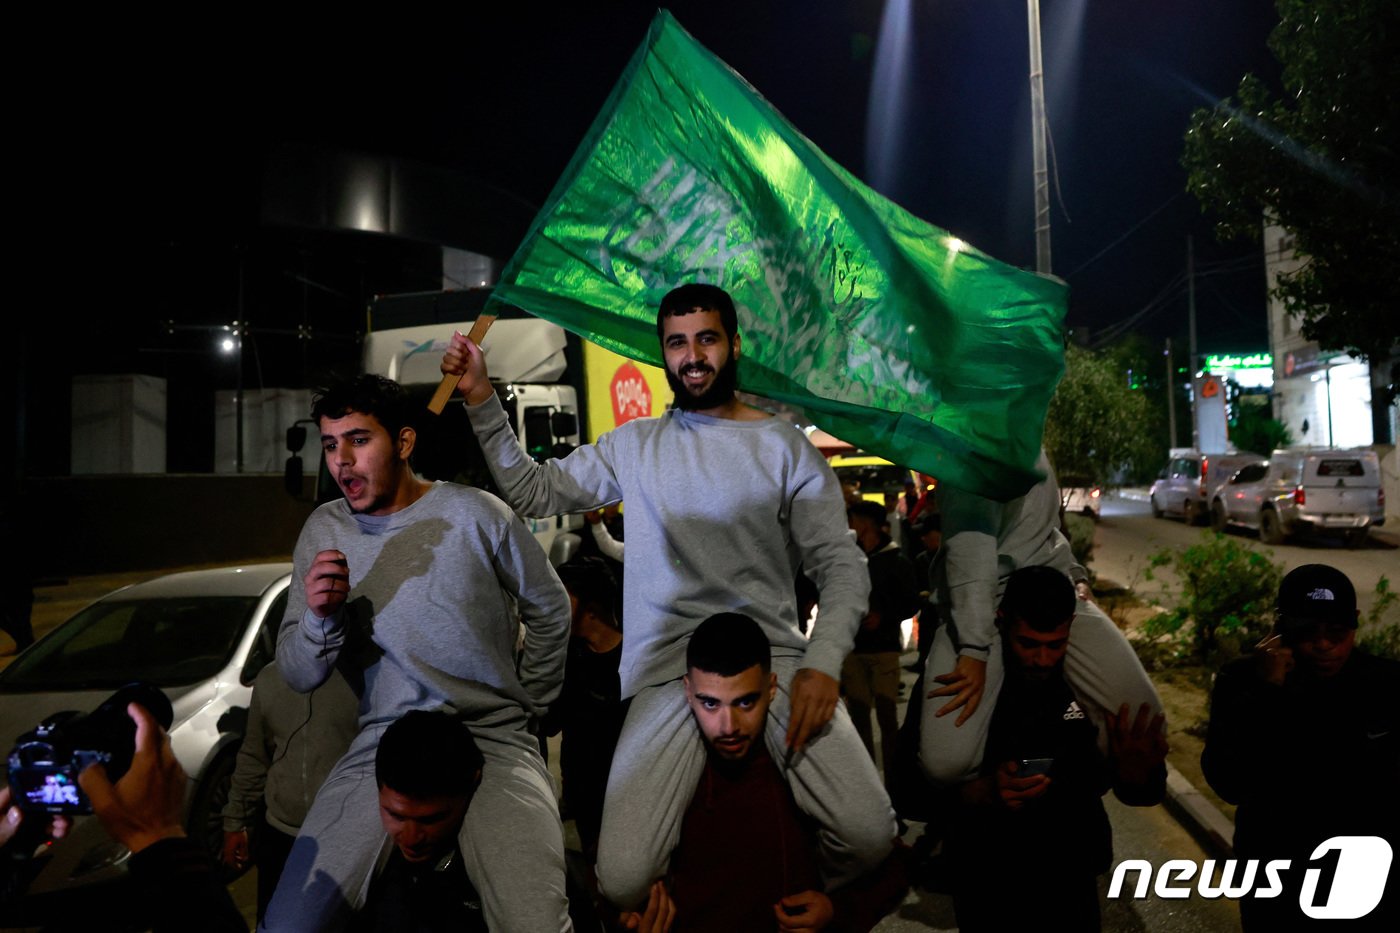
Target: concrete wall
(107, 524)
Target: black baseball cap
(1316, 593)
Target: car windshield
(165, 642)
(875, 477)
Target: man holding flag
(887, 331)
(724, 503)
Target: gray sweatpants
(512, 842)
(661, 754)
(1101, 667)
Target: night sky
(140, 166)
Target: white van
(1321, 489)
(1188, 483)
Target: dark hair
(872, 512)
(591, 582)
(728, 643)
(428, 754)
(383, 399)
(697, 296)
(1041, 597)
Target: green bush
(1080, 531)
(1378, 636)
(1224, 602)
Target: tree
(1098, 424)
(1321, 159)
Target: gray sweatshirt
(983, 542)
(293, 741)
(720, 514)
(437, 592)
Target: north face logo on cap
(1322, 593)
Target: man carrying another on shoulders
(746, 860)
(724, 503)
(427, 769)
(416, 592)
(1030, 835)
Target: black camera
(45, 763)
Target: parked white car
(1320, 490)
(1079, 495)
(1187, 484)
(201, 637)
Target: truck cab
(529, 360)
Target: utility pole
(1042, 172)
(1171, 395)
(1191, 318)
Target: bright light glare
(956, 245)
(227, 345)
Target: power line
(1131, 230)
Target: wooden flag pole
(449, 382)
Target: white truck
(535, 366)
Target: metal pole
(1171, 395)
(1042, 172)
(238, 395)
(1191, 297)
(1191, 319)
(1327, 375)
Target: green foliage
(1095, 425)
(1378, 636)
(1080, 531)
(1223, 604)
(1319, 158)
(1254, 431)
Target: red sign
(631, 396)
(1210, 388)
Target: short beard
(720, 392)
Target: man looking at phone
(1305, 737)
(1041, 787)
(416, 593)
(746, 859)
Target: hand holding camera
(143, 807)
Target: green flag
(890, 334)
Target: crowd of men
(394, 774)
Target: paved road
(1128, 535)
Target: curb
(1198, 815)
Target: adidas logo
(1074, 712)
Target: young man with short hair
(416, 592)
(427, 769)
(870, 676)
(1305, 737)
(724, 503)
(746, 859)
(1033, 822)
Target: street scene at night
(888, 465)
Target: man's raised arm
(581, 481)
